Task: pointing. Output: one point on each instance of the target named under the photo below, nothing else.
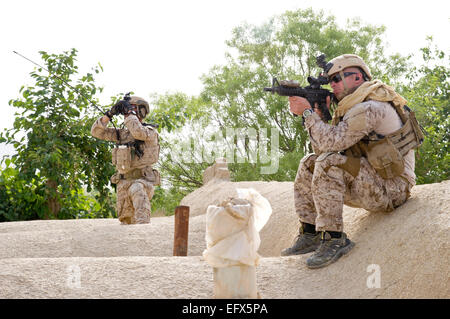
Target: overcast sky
(165, 46)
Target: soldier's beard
(341, 95)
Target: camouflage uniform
(321, 187)
(135, 186)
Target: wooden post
(181, 231)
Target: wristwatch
(307, 112)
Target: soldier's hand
(109, 114)
(119, 107)
(298, 104)
(318, 111)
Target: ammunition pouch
(352, 165)
(121, 158)
(385, 158)
(133, 174)
(385, 154)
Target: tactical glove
(118, 108)
(109, 114)
(113, 111)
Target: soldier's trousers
(321, 189)
(133, 201)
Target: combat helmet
(349, 60)
(142, 106)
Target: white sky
(165, 46)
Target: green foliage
(284, 47)
(175, 114)
(21, 199)
(166, 200)
(55, 150)
(24, 199)
(61, 171)
(427, 93)
(173, 111)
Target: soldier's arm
(139, 131)
(100, 130)
(359, 121)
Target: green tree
(284, 47)
(20, 199)
(175, 113)
(427, 92)
(55, 153)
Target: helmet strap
(346, 91)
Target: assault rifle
(314, 93)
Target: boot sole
(339, 254)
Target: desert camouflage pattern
(133, 201)
(134, 131)
(133, 195)
(321, 188)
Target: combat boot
(330, 250)
(304, 243)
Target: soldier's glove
(121, 107)
(109, 114)
(115, 110)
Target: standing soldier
(137, 149)
(365, 158)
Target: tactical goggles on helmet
(337, 78)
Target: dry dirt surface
(403, 254)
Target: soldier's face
(352, 77)
(134, 108)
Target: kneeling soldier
(137, 149)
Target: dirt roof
(408, 248)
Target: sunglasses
(337, 78)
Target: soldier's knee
(308, 160)
(327, 160)
(306, 165)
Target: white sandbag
(232, 241)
